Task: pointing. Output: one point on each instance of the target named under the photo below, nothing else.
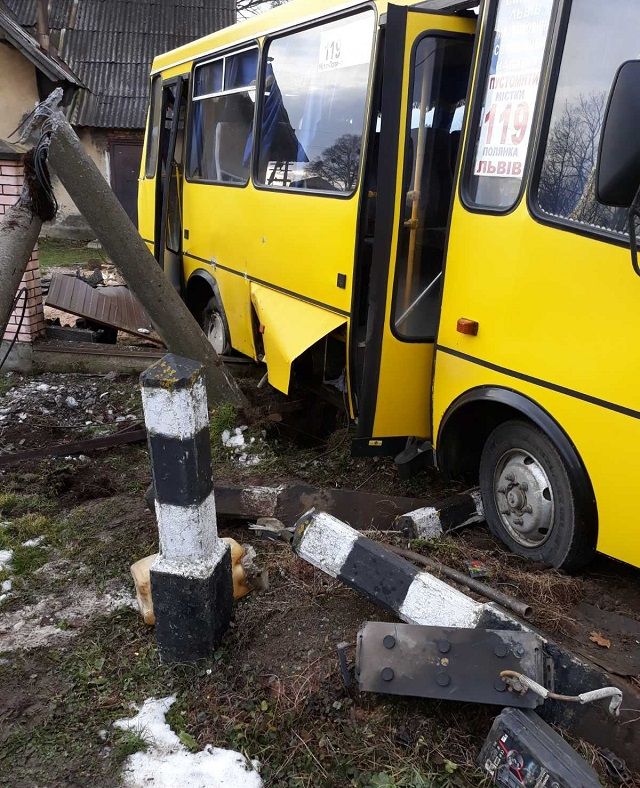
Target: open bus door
(427, 66)
(169, 175)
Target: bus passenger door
(168, 233)
(427, 64)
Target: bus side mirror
(618, 168)
(618, 173)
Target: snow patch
(245, 451)
(36, 542)
(168, 763)
(38, 625)
(5, 558)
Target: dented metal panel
(448, 663)
(290, 326)
(110, 306)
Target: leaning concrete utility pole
(19, 230)
(106, 216)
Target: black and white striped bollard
(191, 581)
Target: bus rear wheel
(215, 327)
(529, 500)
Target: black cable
(21, 292)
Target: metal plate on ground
(110, 306)
(448, 663)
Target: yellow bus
(399, 203)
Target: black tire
(518, 449)
(213, 314)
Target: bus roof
(270, 21)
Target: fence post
(191, 581)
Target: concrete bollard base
(193, 603)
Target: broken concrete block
(430, 522)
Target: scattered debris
(114, 305)
(443, 662)
(521, 749)
(246, 452)
(167, 763)
(600, 640)
(141, 573)
(131, 434)
(477, 569)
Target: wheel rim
(524, 497)
(216, 333)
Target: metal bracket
(448, 663)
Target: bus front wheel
(215, 327)
(529, 501)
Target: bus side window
(153, 129)
(222, 111)
(441, 68)
(566, 187)
(313, 106)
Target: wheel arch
(200, 288)
(470, 419)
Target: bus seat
(229, 146)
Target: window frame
(482, 65)
(537, 155)
(156, 79)
(235, 49)
(308, 25)
(406, 171)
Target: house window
(153, 130)
(313, 106)
(567, 182)
(222, 110)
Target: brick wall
(11, 178)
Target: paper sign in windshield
(512, 87)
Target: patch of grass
(16, 504)
(128, 742)
(222, 418)
(7, 382)
(66, 253)
(27, 559)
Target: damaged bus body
(401, 202)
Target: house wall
(26, 323)
(18, 89)
(69, 222)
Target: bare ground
(80, 655)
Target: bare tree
(567, 181)
(338, 164)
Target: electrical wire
(21, 292)
(521, 683)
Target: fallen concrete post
(362, 510)
(420, 598)
(191, 581)
(430, 522)
(122, 242)
(387, 579)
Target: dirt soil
(75, 654)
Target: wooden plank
(75, 447)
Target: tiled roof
(109, 45)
